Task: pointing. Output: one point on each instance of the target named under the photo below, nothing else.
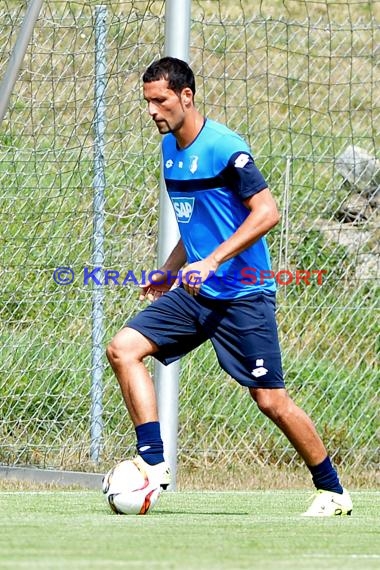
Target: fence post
(177, 40)
(18, 54)
(98, 234)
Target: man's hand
(195, 274)
(160, 282)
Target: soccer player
(224, 290)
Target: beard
(163, 127)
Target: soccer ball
(128, 490)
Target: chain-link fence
(299, 80)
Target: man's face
(164, 106)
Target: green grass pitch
(75, 530)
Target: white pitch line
(375, 556)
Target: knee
(114, 351)
(265, 404)
(119, 349)
(272, 403)
(129, 347)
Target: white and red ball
(128, 490)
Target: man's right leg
(167, 329)
(126, 353)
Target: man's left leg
(296, 425)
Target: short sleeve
(242, 175)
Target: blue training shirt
(207, 182)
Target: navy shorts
(243, 333)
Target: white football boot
(329, 504)
(157, 474)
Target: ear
(187, 96)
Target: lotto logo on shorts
(183, 208)
(260, 370)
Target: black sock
(149, 442)
(325, 476)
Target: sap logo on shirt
(183, 208)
